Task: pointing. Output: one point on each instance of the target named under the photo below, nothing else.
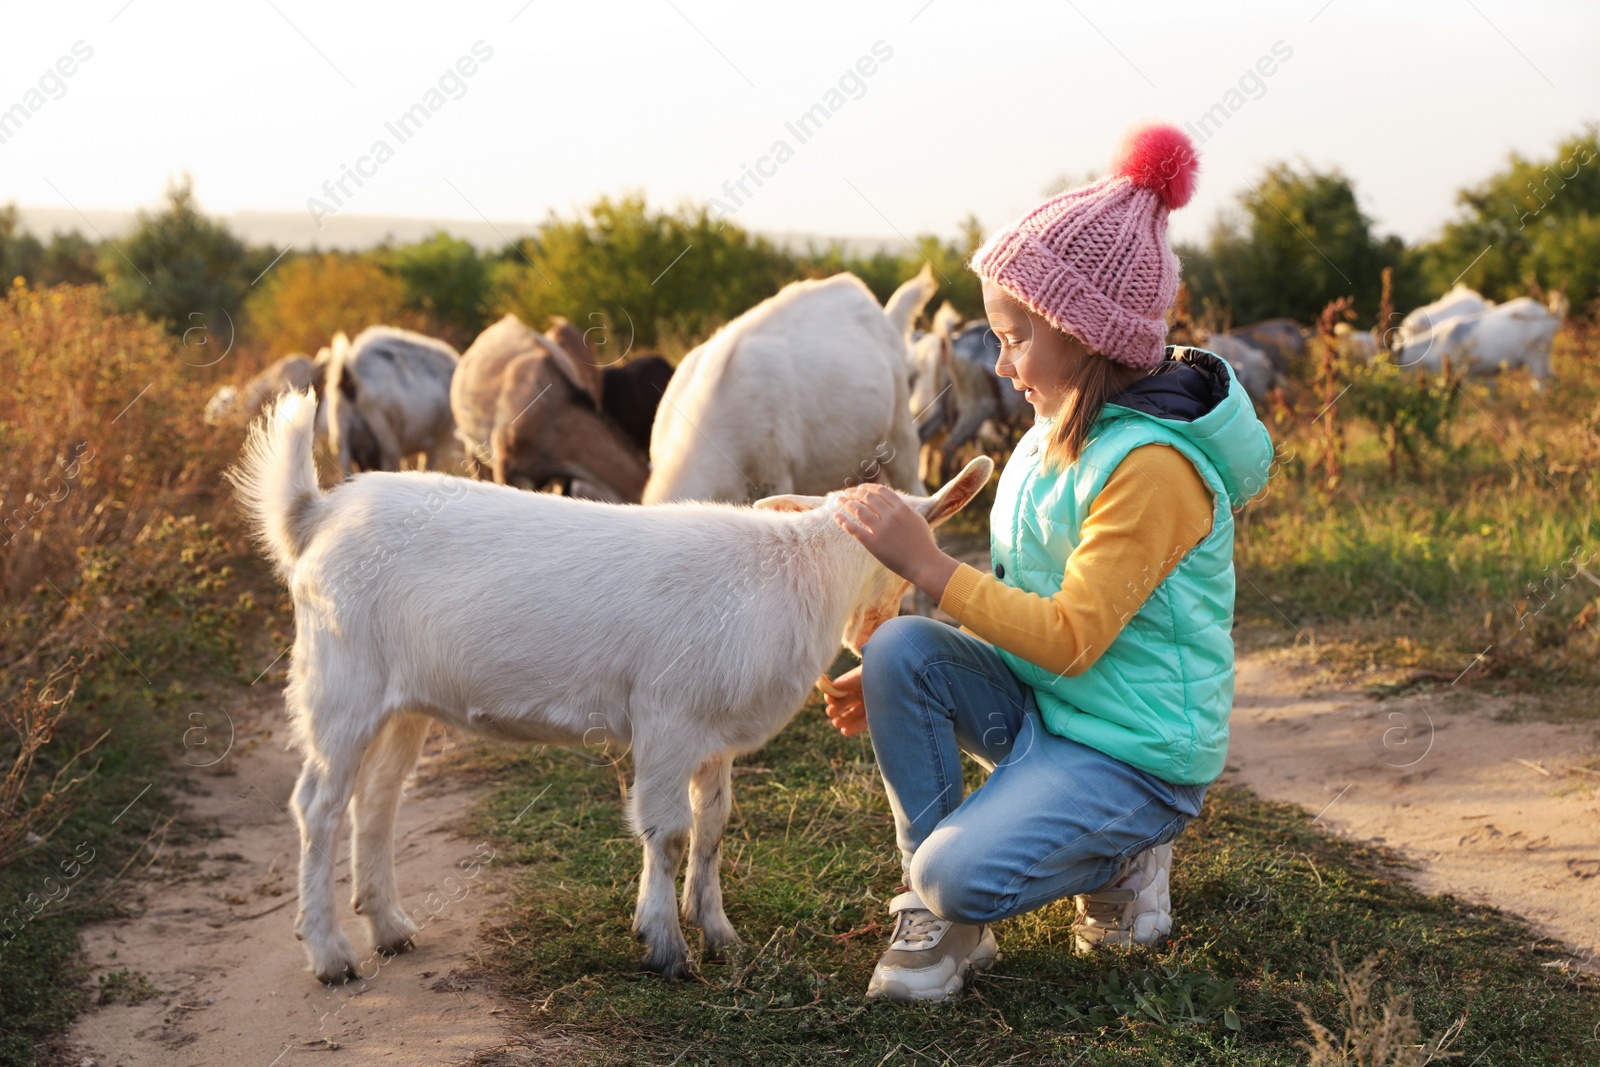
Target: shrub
(181, 268)
(305, 300)
(445, 279)
(651, 275)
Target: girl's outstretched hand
(848, 713)
(897, 534)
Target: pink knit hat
(1094, 260)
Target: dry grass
(1478, 557)
(125, 584)
(1376, 1034)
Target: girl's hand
(897, 535)
(848, 713)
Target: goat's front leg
(711, 795)
(377, 798)
(660, 816)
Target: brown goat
(529, 410)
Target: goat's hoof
(715, 947)
(392, 932)
(394, 946)
(337, 972)
(333, 959)
(672, 969)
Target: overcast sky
(968, 107)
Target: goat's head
(881, 593)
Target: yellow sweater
(1152, 510)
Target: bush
(111, 495)
(1303, 241)
(653, 276)
(182, 269)
(69, 258)
(444, 279)
(884, 271)
(306, 299)
(1536, 218)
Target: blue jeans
(1054, 817)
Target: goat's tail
(276, 478)
(907, 302)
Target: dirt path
(216, 938)
(1498, 812)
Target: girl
(1093, 673)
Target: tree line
(653, 276)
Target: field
(128, 582)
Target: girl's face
(1039, 359)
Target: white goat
(388, 397)
(1458, 302)
(806, 392)
(690, 632)
(1518, 333)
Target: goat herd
(804, 393)
(548, 410)
(687, 632)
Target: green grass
(1260, 896)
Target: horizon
(832, 123)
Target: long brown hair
(1096, 380)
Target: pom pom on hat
(1161, 159)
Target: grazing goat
(1280, 340)
(388, 398)
(1250, 365)
(1518, 333)
(528, 408)
(1460, 302)
(967, 392)
(932, 406)
(1353, 345)
(536, 618)
(239, 405)
(632, 393)
(806, 392)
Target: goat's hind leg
(320, 798)
(711, 796)
(376, 896)
(660, 816)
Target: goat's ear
(957, 491)
(576, 362)
(789, 502)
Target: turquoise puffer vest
(1159, 697)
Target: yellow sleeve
(1152, 510)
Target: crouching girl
(1093, 671)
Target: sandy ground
(1498, 812)
(215, 935)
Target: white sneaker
(1134, 908)
(928, 958)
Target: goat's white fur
(804, 393)
(401, 392)
(690, 632)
